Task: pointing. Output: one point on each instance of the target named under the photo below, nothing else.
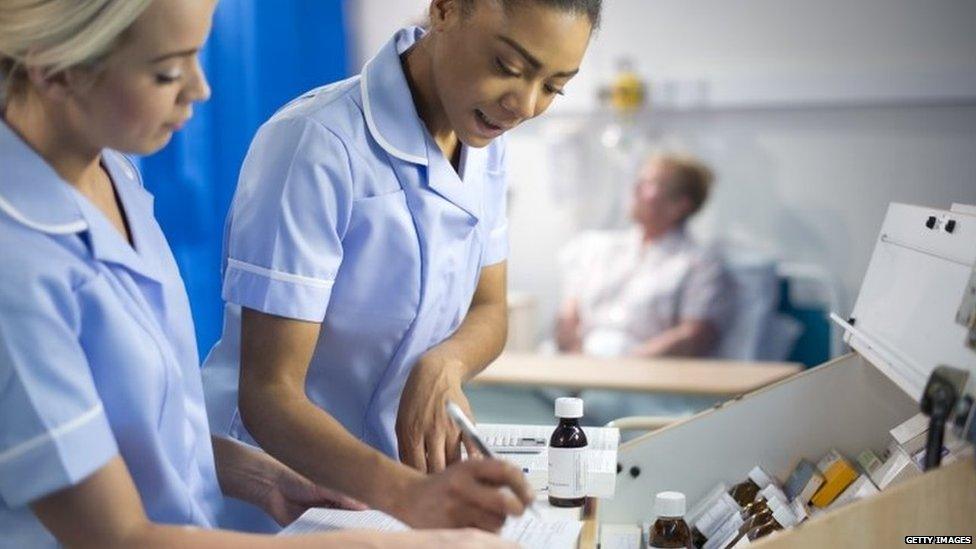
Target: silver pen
(462, 421)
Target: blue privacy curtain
(261, 53)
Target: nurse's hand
(291, 494)
(428, 439)
(255, 477)
(478, 493)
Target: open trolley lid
(908, 316)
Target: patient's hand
(568, 337)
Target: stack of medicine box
(905, 455)
(833, 482)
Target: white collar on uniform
(34, 195)
(388, 104)
(31, 192)
(392, 119)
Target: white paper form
(326, 520)
(527, 531)
(533, 533)
(620, 536)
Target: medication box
(903, 325)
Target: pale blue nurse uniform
(348, 214)
(97, 352)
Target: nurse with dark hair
(365, 261)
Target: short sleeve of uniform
(496, 206)
(284, 239)
(53, 429)
(707, 292)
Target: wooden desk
(590, 535)
(665, 375)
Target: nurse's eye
(552, 90)
(168, 78)
(505, 69)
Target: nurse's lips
(491, 126)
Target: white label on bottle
(567, 472)
(716, 515)
(725, 533)
(729, 539)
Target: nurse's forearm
(275, 354)
(478, 341)
(310, 441)
(242, 472)
(104, 510)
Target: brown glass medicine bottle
(760, 517)
(737, 498)
(762, 501)
(745, 492)
(670, 529)
(782, 518)
(567, 456)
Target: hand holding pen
(469, 431)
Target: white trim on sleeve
(278, 275)
(27, 446)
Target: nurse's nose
(197, 89)
(522, 102)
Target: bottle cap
(670, 504)
(784, 516)
(772, 491)
(567, 407)
(760, 477)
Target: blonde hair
(56, 35)
(690, 178)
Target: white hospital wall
(814, 114)
(372, 22)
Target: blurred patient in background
(649, 290)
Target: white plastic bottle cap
(568, 407)
(760, 477)
(784, 515)
(670, 504)
(773, 491)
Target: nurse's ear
(51, 86)
(61, 85)
(445, 14)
